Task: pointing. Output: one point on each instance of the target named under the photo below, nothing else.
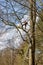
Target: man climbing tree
(24, 24)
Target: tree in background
(34, 12)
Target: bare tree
(16, 15)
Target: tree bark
(32, 24)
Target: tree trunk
(32, 24)
(30, 56)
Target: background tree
(11, 15)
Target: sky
(20, 11)
(6, 31)
(12, 34)
(14, 39)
